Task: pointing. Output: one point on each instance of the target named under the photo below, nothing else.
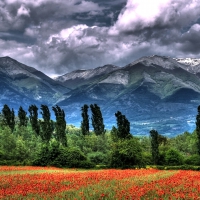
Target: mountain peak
(163, 61)
(188, 61)
(87, 74)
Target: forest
(26, 139)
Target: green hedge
(180, 167)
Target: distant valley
(153, 92)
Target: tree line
(32, 141)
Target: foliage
(23, 120)
(173, 157)
(68, 146)
(97, 120)
(19, 147)
(192, 160)
(123, 126)
(154, 146)
(55, 155)
(33, 110)
(198, 129)
(185, 143)
(98, 158)
(46, 125)
(60, 125)
(126, 153)
(85, 122)
(8, 117)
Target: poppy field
(54, 183)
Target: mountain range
(154, 92)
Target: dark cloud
(60, 36)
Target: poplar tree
(8, 117)
(33, 110)
(60, 125)
(46, 125)
(23, 120)
(85, 122)
(154, 146)
(123, 126)
(97, 120)
(198, 129)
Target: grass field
(53, 183)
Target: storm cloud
(58, 36)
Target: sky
(59, 36)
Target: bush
(126, 153)
(86, 164)
(173, 157)
(72, 158)
(147, 159)
(193, 160)
(98, 158)
(43, 157)
(58, 156)
(182, 167)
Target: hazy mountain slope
(152, 88)
(83, 77)
(12, 97)
(28, 82)
(153, 92)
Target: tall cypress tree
(33, 110)
(60, 125)
(23, 120)
(198, 129)
(8, 117)
(154, 146)
(47, 126)
(97, 120)
(123, 126)
(85, 122)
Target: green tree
(154, 146)
(126, 153)
(47, 126)
(8, 117)
(7, 144)
(85, 122)
(123, 126)
(60, 125)
(173, 157)
(23, 120)
(114, 134)
(97, 120)
(198, 129)
(33, 110)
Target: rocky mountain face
(81, 77)
(23, 85)
(153, 92)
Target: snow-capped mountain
(156, 90)
(153, 92)
(163, 61)
(188, 61)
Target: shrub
(126, 153)
(72, 157)
(193, 160)
(173, 157)
(147, 158)
(98, 158)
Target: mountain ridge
(157, 91)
